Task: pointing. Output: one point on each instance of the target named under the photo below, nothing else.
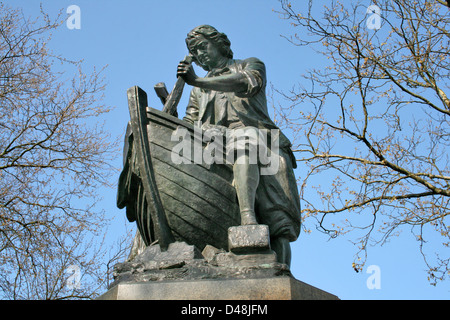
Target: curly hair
(210, 33)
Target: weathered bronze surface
(198, 201)
(209, 227)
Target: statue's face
(207, 54)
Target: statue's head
(200, 34)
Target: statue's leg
(282, 247)
(246, 179)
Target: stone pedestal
(273, 288)
(248, 271)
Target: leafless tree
(54, 156)
(372, 123)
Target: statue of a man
(232, 95)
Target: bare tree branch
(54, 156)
(375, 122)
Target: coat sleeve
(254, 71)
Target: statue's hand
(186, 71)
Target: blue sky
(142, 43)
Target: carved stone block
(249, 238)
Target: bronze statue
(197, 202)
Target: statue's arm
(234, 82)
(247, 81)
(254, 71)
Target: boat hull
(199, 199)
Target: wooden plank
(137, 104)
(198, 234)
(207, 209)
(161, 128)
(195, 175)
